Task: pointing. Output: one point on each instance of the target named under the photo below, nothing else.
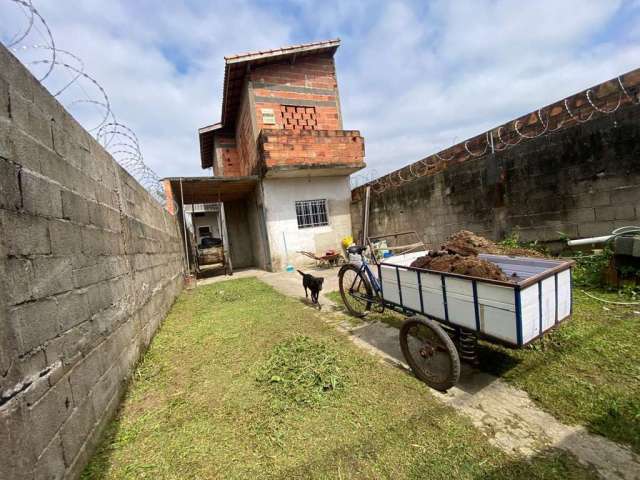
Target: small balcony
(289, 153)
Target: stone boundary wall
(580, 181)
(578, 109)
(89, 265)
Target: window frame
(312, 213)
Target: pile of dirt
(464, 265)
(459, 254)
(467, 243)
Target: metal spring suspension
(468, 343)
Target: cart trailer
(513, 313)
(448, 312)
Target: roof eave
(286, 51)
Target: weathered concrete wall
(582, 181)
(89, 265)
(280, 196)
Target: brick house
(280, 159)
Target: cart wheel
(430, 353)
(355, 290)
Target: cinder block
(50, 465)
(65, 238)
(103, 217)
(52, 275)
(104, 269)
(29, 118)
(10, 198)
(75, 430)
(95, 241)
(70, 346)
(54, 167)
(19, 282)
(21, 366)
(20, 148)
(595, 229)
(615, 212)
(18, 456)
(106, 389)
(49, 413)
(84, 375)
(35, 323)
(70, 151)
(99, 296)
(39, 196)
(73, 309)
(74, 207)
(581, 215)
(24, 234)
(594, 199)
(626, 195)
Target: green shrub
(589, 269)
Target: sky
(414, 77)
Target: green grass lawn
(585, 372)
(242, 382)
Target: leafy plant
(513, 241)
(589, 269)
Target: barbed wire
(116, 138)
(502, 140)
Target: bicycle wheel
(355, 290)
(430, 353)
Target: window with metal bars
(311, 213)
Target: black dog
(314, 284)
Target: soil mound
(467, 243)
(463, 265)
(459, 254)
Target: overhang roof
(206, 135)
(212, 189)
(235, 71)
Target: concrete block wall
(581, 181)
(89, 265)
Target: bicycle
(359, 287)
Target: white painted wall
(280, 195)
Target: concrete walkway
(505, 414)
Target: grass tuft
(304, 372)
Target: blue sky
(414, 77)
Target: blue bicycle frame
(364, 267)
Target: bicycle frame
(364, 267)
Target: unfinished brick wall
(89, 265)
(579, 181)
(226, 158)
(246, 137)
(311, 147)
(309, 81)
(297, 96)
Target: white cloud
(414, 77)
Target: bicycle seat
(356, 249)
